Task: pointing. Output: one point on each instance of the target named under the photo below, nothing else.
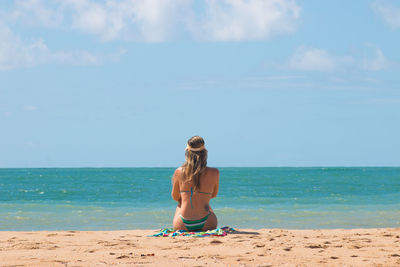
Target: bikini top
(191, 194)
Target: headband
(195, 148)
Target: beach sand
(263, 247)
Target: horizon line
(171, 167)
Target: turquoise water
(139, 198)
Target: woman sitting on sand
(193, 185)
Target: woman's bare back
(193, 203)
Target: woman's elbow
(175, 197)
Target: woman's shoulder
(212, 170)
(178, 171)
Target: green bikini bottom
(194, 225)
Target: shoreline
(251, 247)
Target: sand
(263, 247)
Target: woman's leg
(177, 222)
(211, 222)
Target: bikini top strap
(191, 195)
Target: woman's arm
(176, 194)
(216, 187)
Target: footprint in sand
(62, 262)
(287, 249)
(122, 257)
(334, 258)
(315, 246)
(185, 257)
(216, 242)
(354, 256)
(110, 244)
(49, 235)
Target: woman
(193, 185)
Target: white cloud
(30, 145)
(94, 18)
(377, 62)
(7, 114)
(312, 59)
(36, 13)
(16, 53)
(163, 20)
(153, 20)
(390, 13)
(236, 20)
(246, 82)
(30, 108)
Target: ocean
(140, 198)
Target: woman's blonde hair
(196, 161)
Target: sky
(126, 83)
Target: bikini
(194, 225)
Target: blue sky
(265, 82)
